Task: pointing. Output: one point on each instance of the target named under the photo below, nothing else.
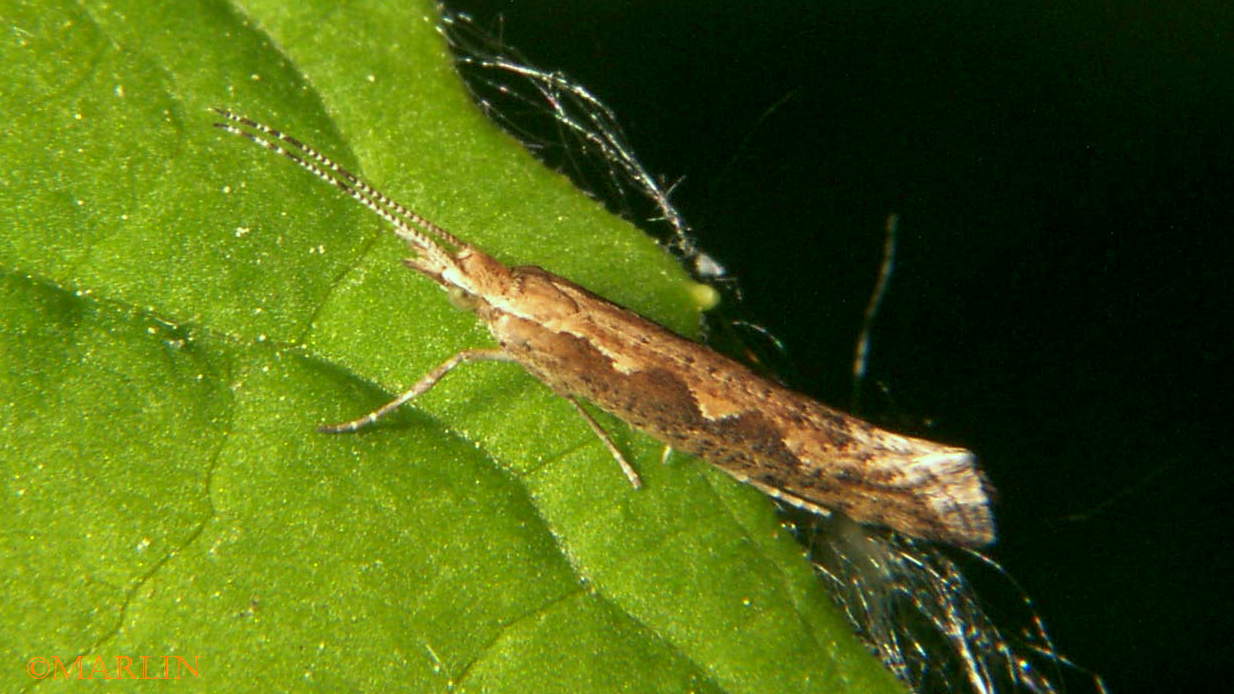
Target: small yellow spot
(705, 296)
(460, 299)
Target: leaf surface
(179, 309)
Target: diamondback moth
(687, 396)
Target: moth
(682, 393)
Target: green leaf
(179, 309)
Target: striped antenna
(408, 225)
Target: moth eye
(460, 299)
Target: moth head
(473, 277)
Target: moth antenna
(357, 182)
(349, 183)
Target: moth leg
(608, 443)
(666, 454)
(789, 498)
(429, 380)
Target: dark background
(1064, 174)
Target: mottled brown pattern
(710, 406)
